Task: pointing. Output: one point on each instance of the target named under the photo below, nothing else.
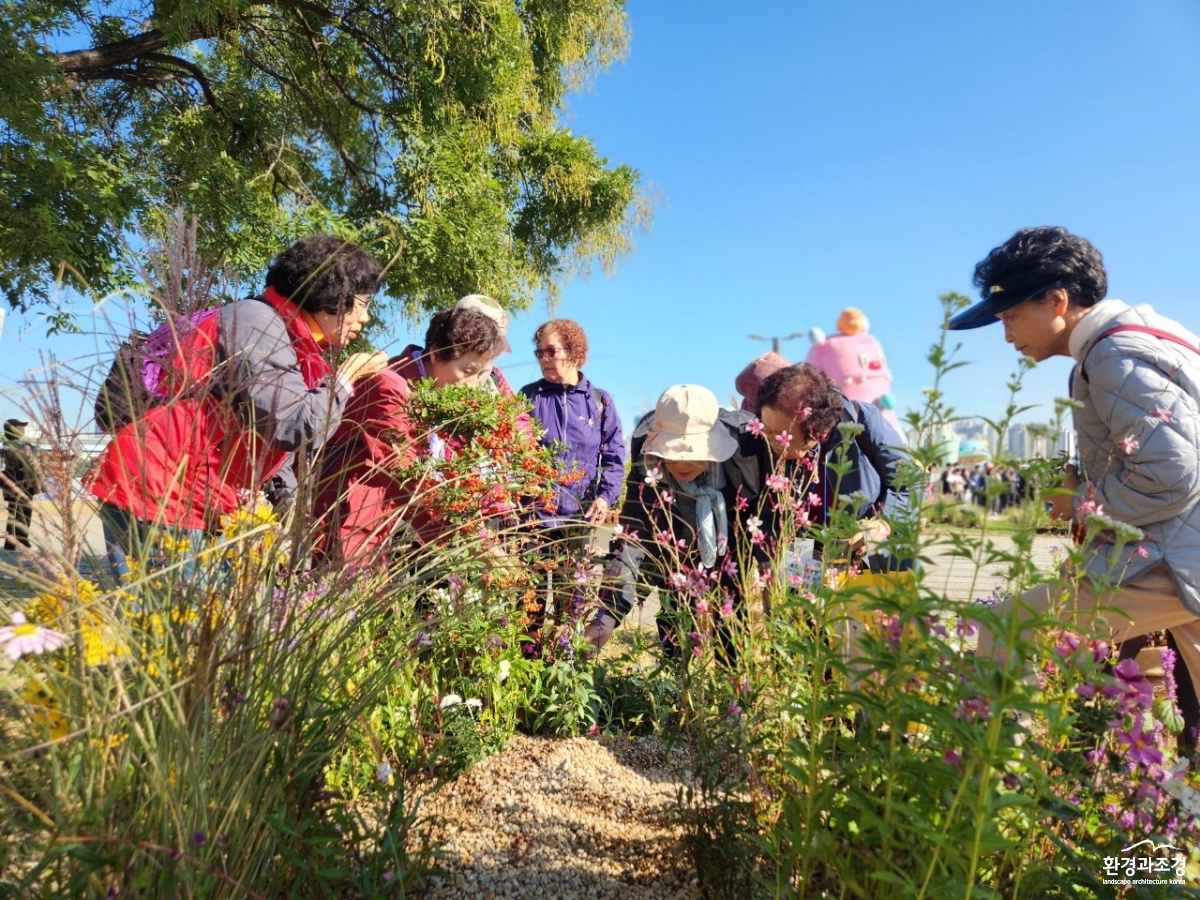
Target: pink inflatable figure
(854, 359)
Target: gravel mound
(563, 818)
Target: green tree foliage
(425, 129)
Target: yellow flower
(78, 604)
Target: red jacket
(193, 458)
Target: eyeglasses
(547, 352)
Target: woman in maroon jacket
(360, 499)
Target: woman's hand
(597, 511)
(1062, 506)
(871, 532)
(358, 366)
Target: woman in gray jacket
(1136, 383)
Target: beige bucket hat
(685, 427)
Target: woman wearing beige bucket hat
(688, 464)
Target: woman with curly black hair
(245, 388)
(800, 409)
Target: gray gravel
(563, 818)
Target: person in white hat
(680, 495)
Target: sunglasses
(547, 352)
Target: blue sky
(808, 156)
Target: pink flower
(1140, 550)
(755, 427)
(701, 606)
(776, 482)
(653, 476)
(1129, 444)
(741, 502)
(734, 711)
(783, 439)
(1090, 508)
(804, 413)
(726, 606)
(678, 580)
(1163, 415)
(668, 498)
(618, 530)
(22, 638)
(814, 500)
(952, 757)
(754, 523)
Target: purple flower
(1136, 689)
(952, 757)
(972, 709)
(1067, 643)
(1139, 745)
(199, 838)
(1168, 667)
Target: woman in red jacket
(245, 391)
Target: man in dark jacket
(19, 483)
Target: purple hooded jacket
(585, 419)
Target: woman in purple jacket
(584, 419)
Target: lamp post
(776, 341)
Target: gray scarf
(712, 527)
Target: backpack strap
(601, 401)
(1145, 329)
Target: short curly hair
(322, 273)
(573, 339)
(806, 394)
(456, 332)
(1045, 255)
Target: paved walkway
(959, 578)
(946, 571)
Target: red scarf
(313, 364)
